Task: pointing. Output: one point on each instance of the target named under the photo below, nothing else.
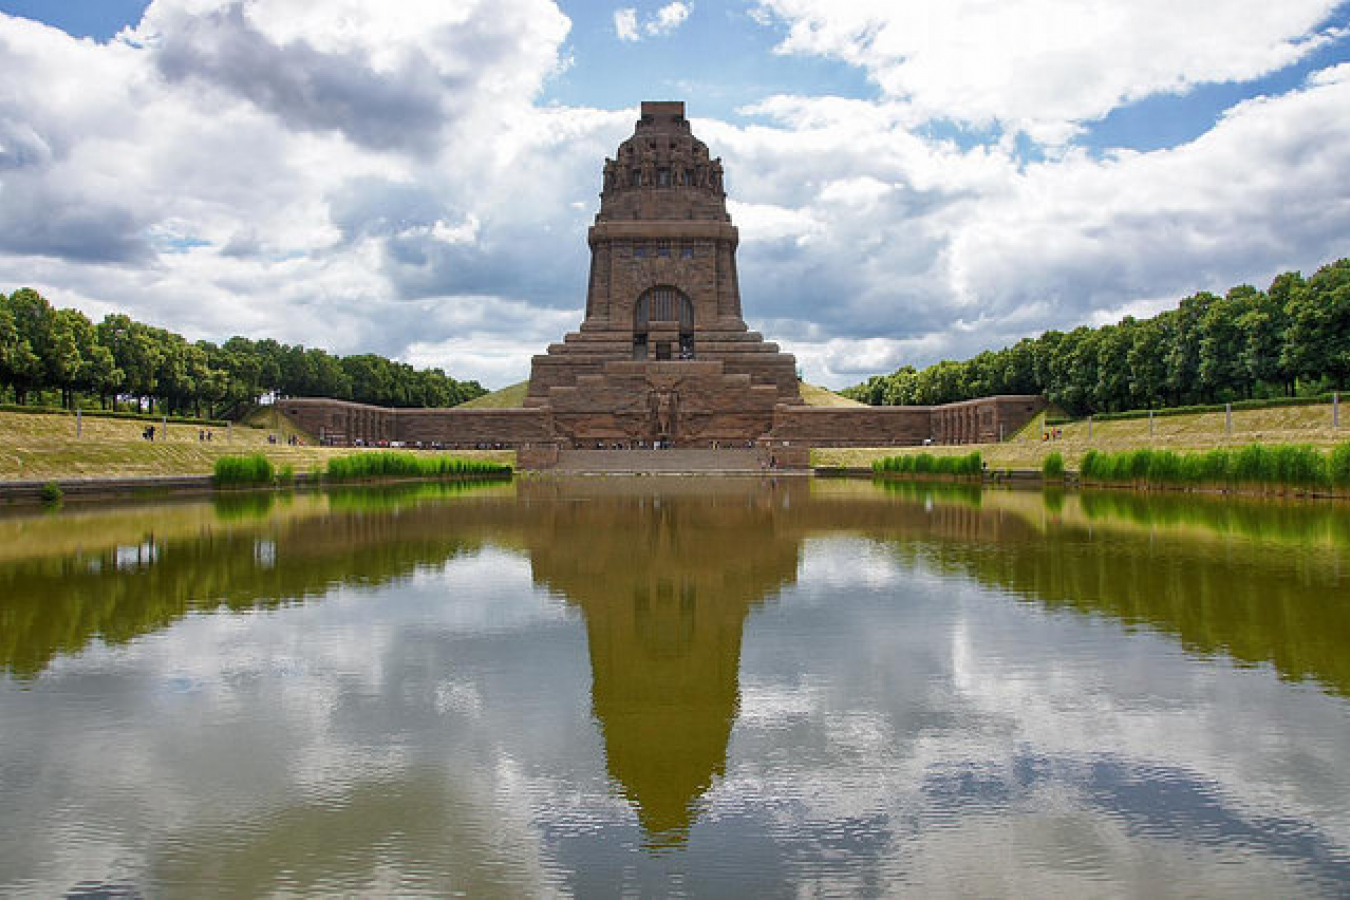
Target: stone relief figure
(715, 181)
(611, 174)
(679, 162)
(647, 161)
(665, 412)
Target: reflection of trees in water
(1290, 522)
(59, 604)
(1269, 600)
(666, 572)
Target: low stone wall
(986, 420)
(873, 426)
(469, 428)
(712, 407)
(345, 424)
(339, 421)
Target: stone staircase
(677, 460)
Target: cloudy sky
(913, 179)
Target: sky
(913, 180)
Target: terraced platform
(675, 461)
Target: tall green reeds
(1052, 468)
(1287, 466)
(970, 465)
(368, 466)
(236, 471)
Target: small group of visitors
(623, 445)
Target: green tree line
(1293, 338)
(46, 351)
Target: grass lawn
(1026, 450)
(813, 395)
(40, 447)
(509, 397)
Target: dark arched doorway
(663, 324)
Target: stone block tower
(663, 352)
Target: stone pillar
(606, 266)
(592, 288)
(733, 287)
(725, 281)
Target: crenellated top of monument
(662, 172)
(665, 114)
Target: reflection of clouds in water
(211, 723)
(849, 561)
(897, 725)
(969, 722)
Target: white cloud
(669, 17)
(625, 24)
(240, 167)
(662, 23)
(883, 247)
(1046, 66)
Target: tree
(18, 362)
(32, 316)
(134, 352)
(1223, 374)
(65, 362)
(901, 388)
(1183, 348)
(1317, 343)
(1148, 367)
(1019, 368)
(1263, 333)
(1074, 371)
(1114, 342)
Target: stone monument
(663, 357)
(664, 354)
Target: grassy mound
(814, 395)
(511, 397)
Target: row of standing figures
(709, 176)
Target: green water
(660, 686)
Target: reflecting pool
(662, 686)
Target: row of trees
(1292, 338)
(44, 349)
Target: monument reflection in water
(666, 579)
(794, 686)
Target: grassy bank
(1193, 433)
(250, 471)
(257, 470)
(968, 466)
(39, 448)
(369, 466)
(1278, 468)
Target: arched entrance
(663, 324)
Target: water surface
(660, 686)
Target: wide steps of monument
(671, 461)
